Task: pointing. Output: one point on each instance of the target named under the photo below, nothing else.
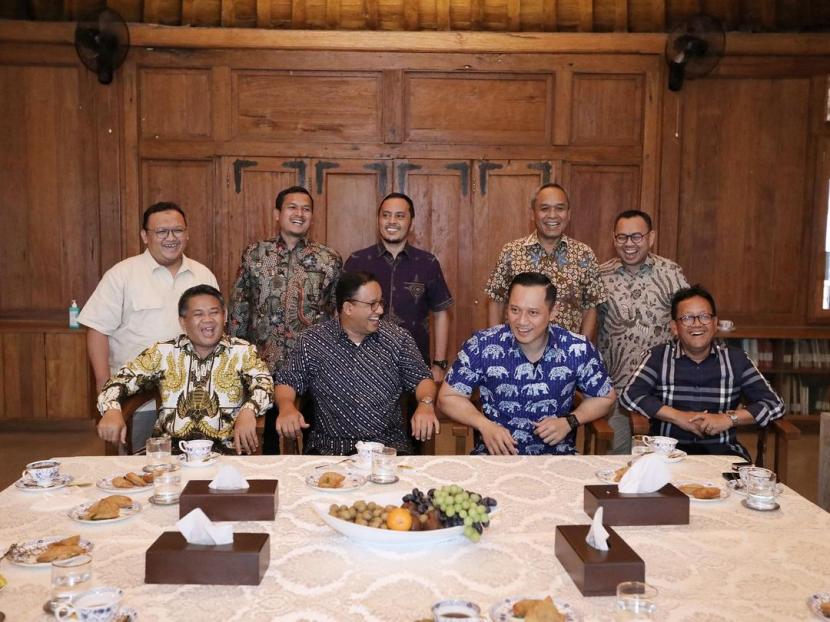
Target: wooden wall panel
(479, 109)
(347, 194)
(67, 383)
(743, 195)
(49, 242)
(607, 109)
(190, 184)
(251, 188)
(175, 103)
(597, 194)
(24, 375)
(307, 107)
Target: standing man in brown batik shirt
(283, 286)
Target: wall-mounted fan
(102, 41)
(693, 49)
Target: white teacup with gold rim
(662, 445)
(196, 450)
(42, 472)
(100, 604)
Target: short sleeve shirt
(572, 267)
(516, 393)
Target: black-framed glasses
(374, 305)
(689, 320)
(161, 234)
(622, 238)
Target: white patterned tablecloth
(728, 564)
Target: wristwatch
(732, 416)
(572, 421)
(427, 400)
(443, 364)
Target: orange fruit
(399, 519)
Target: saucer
(198, 464)
(737, 487)
(166, 467)
(769, 509)
(350, 483)
(155, 501)
(26, 553)
(394, 479)
(126, 614)
(502, 611)
(28, 485)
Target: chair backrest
(128, 408)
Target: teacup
(100, 604)
(42, 472)
(663, 445)
(196, 450)
(726, 325)
(365, 449)
(453, 610)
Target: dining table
(729, 563)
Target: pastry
(148, 478)
(119, 500)
(706, 492)
(101, 510)
(56, 551)
(690, 489)
(537, 610)
(135, 479)
(330, 479)
(825, 609)
(122, 482)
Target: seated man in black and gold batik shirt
(212, 386)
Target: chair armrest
(602, 429)
(784, 428)
(639, 424)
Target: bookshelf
(796, 361)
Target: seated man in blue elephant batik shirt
(527, 372)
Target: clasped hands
(500, 442)
(705, 423)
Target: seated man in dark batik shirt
(356, 367)
(696, 390)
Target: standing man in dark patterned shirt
(698, 391)
(284, 285)
(569, 264)
(411, 279)
(636, 315)
(356, 366)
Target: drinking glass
(159, 452)
(635, 601)
(70, 577)
(760, 487)
(383, 466)
(167, 486)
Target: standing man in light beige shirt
(136, 302)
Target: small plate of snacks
(704, 492)
(334, 481)
(107, 510)
(127, 481)
(44, 551)
(532, 609)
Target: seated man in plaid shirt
(696, 390)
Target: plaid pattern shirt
(722, 382)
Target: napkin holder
(171, 559)
(595, 572)
(257, 502)
(667, 506)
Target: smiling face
(203, 322)
(394, 220)
(295, 216)
(167, 251)
(529, 314)
(697, 338)
(357, 315)
(551, 214)
(632, 253)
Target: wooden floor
(19, 448)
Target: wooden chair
(824, 462)
(598, 436)
(128, 408)
(783, 430)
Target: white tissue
(598, 535)
(197, 528)
(648, 474)
(228, 478)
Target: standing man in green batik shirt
(284, 285)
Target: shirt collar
(153, 265)
(183, 342)
(645, 268)
(679, 352)
(551, 344)
(282, 246)
(340, 333)
(533, 239)
(381, 250)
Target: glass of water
(760, 488)
(635, 601)
(167, 486)
(70, 577)
(159, 452)
(383, 466)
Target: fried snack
(70, 541)
(102, 509)
(56, 551)
(330, 479)
(618, 474)
(825, 609)
(135, 479)
(122, 482)
(119, 501)
(544, 611)
(690, 489)
(148, 478)
(522, 607)
(707, 492)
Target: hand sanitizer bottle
(73, 315)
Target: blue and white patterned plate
(502, 611)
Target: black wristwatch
(442, 364)
(572, 421)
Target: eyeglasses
(374, 305)
(689, 320)
(161, 234)
(622, 238)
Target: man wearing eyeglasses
(136, 302)
(637, 313)
(356, 367)
(697, 391)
